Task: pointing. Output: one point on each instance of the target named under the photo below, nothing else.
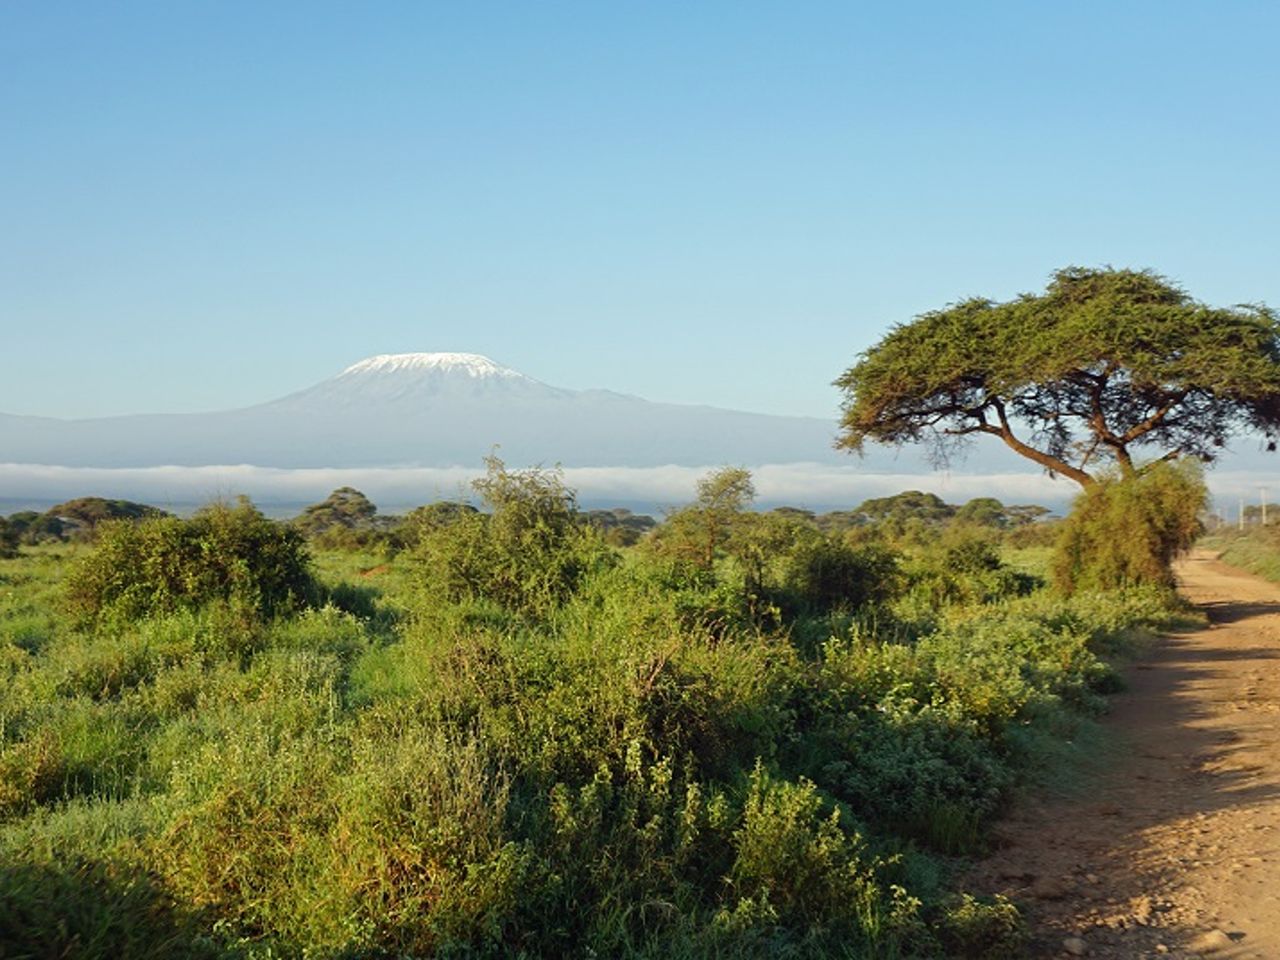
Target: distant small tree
(345, 507)
(1020, 515)
(983, 512)
(619, 526)
(91, 511)
(32, 528)
(697, 532)
(908, 505)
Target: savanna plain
(534, 730)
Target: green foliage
(1128, 530)
(697, 533)
(906, 506)
(9, 539)
(348, 520)
(619, 526)
(75, 519)
(964, 568)
(344, 519)
(826, 574)
(223, 553)
(636, 756)
(1103, 363)
(428, 518)
(982, 929)
(797, 867)
(990, 513)
(528, 553)
(767, 565)
(345, 507)
(33, 528)
(91, 511)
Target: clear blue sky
(207, 205)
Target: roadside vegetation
(530, 730)
(1256, 548)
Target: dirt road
(1172, 848)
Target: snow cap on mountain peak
(468, 364)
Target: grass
(1256, 549)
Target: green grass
(1256, 549)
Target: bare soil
(1171, 848)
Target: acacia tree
(1102, 364)
(345, 507)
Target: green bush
(528, 553)
(986, 929)
(964, 569)
(1128, 530)
(828, 574)
(799, 868)
(9, 539)
(230, 554)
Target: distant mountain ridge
(427, 410)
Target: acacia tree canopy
(1104, 362)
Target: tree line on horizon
(347, 519)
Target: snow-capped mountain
(430, 410)
(417, 380)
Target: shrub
(966, 570)
(698, 533)
(827, 574)
(804, 868)
(8, 539)
(223, 553)
(529, 553)
(986, 929)
(1128, 530)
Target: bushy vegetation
(1255, 548)
(746, 737)
(231, 554)
(9, 539)
(528, 552)
(74, 520)
(348, 520)
(1126, 530)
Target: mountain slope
(427, 409)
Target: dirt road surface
(1172, 848)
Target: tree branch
(1153, 421)
(1050, 463)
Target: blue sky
(208, 205)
